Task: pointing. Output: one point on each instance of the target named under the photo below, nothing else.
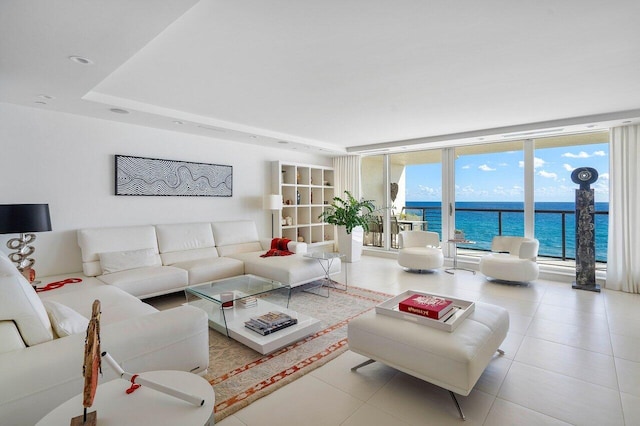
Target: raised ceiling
(332, 76)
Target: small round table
(144, 406)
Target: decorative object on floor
(352, 217)
(585, 229)
(152, 176)
(272, 202)
(91, 368)
(240, 375)
(24, 219)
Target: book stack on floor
(270, 322)
(433, 307)
(248, 302)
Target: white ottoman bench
(453, 361)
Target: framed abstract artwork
(154, 176)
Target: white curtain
(623, 256)
(347, 175)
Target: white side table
(145, 406)
(326, 259)
(455, 243)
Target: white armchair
(513, 259)
(419, 250)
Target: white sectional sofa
(42, 341)
(42, 334)
(151, 260)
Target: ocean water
(481, 225)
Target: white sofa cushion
(290, 270)
(149, 281)
(115, 304)
(20, 303)
(10, 339)
(239, 236)
(211, 269)
(116, 261)
(93, 241)
(184, 236)
(64, 320)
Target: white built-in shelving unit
(306, 190)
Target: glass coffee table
(224, 301)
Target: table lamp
(272, 202)
(24, 219)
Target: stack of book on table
(248, 302)
(433, 307)
(270, 322)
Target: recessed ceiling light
(40, 102)
(178, 122)
(80, 60)
(253, 137)
(119, 111)
(591, 126)
(46, 97)
(283, 142)
(626, 122)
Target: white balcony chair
(419, 250)
(513, 259)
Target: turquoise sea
(480, 222)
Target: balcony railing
(555, 229)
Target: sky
(500, 176)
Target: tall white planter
(350, 244)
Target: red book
(427, 306)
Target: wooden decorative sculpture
(91, 368)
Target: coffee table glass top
(241, 286)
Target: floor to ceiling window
(555, 160)
(502, 188)
(489, 191)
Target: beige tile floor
(572, 357)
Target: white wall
(67, 161)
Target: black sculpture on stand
(585, 229)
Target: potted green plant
(352, 216)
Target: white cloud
(427, 190)
(581, 154)
(486, 168)
(600, 154)
(466, 167)
(568, 167)
(537, 163)
(546, 174)
(604, 176)
(515, 190)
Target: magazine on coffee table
(449, 322)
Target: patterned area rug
(239, 375)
